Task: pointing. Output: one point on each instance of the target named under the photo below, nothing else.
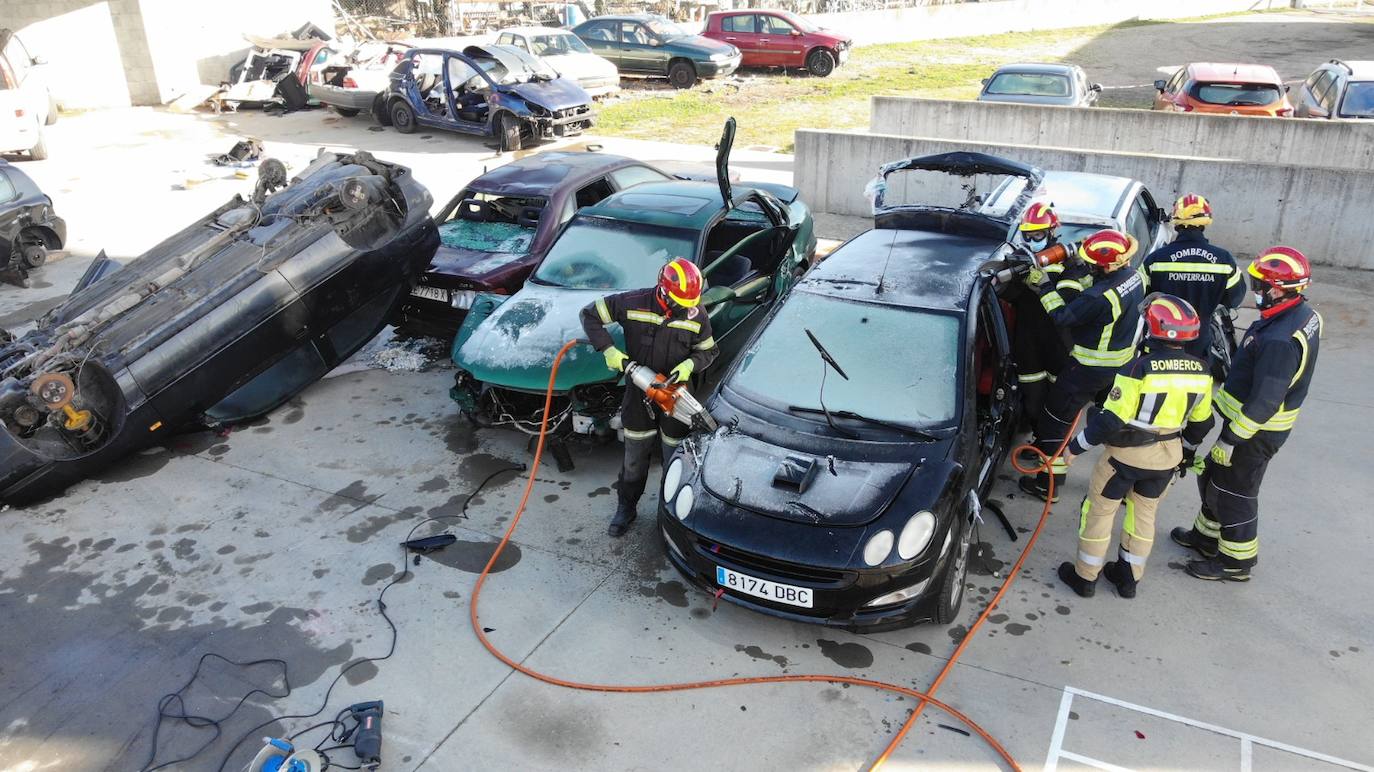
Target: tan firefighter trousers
(1140, 476)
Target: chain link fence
(399, 19)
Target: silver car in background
(1065, 85)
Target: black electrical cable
(198, 722)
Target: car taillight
(1284, 112)
(1185, 107)
(349, 83)
(19, 112)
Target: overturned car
(220, 323)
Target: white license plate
(762, 588)
(431, 293)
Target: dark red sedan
(779, 39)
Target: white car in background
(25, 104)
(566, 53)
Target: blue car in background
(495, 91)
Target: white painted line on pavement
(1060, 725)
(1090, 762)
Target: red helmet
(1192, 210)
(1171, 319)
(1282, 268)
(1108, 249)
(1039, 217)
(680, 281)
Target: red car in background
(779, 39)
(1236, 89)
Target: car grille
(572, 112)
(747, 562)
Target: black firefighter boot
(1068, 575)
(625, 512)
(1118, 572)
(1213, 570)
(1190, 538)
(1039, 485)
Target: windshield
(917, 387)
(1029, 84)
(597, 253)
(799, 22)
(664, 29)
(1236, 94)
(558, 45)
(1359, 100)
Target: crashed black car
(29, 228)
(220, 323)
(862, 427)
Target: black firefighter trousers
(1229, 516)
(646, 427)
(1075, 387)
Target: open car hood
(970, 219)
(742, 470)
(559, 94)
(514, 347)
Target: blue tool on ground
(281, 756)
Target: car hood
(740, 470)
(557, 94)
(581, 66)
(455, 265)
(699, 45)
(515, 346)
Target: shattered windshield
(918, 387)
(597, 253)
(943, 190)
(506, 224)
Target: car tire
(347, 112)
(682, 74)
(34, 254)
(379, 111)
(52, 111)
(508, 132)
(402, 116)
(951, 597)
(39, 152)
(820, 63)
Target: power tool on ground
(281, 756)
(672, 398)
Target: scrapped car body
(29, 227)
(645, 44)
(779, 39)
(1064, 85)
(219, 323)
(498, 228)
(354, 81)
(853, 506)
(567, 55)
(494, 91)
(752, 242)
(1235, 89)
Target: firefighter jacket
(1198, 271)
(1103, 321)
(652, 337)
(1270, 374)
(1067, 280)
(1158, 396)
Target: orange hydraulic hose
(1044, 465)
(689, 685)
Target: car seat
(528, 216)
(425, 83)
(475, 210)
(471, 107)
(731, 272)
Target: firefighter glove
(1221, 453)
(683, 372)
(1035, 277)
(615, 358)
(1190, 461)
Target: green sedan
(752, 241)
(644, 44)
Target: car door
(1306, 95)
(1138, 225)
(1326, 105)
(466, 88)
(992, 376)
(780, 42)
(740, 31)
(640, 50)
(603, 38)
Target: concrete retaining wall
(1324, 212)
(900, 25)
(1339, 144)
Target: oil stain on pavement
(851, 655)
(472, 556)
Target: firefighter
(1103, 323)
(1193, 268)
(666, 331)
(1268, 382)
(1037, 344)
(1159, 402)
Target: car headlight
(877, 549)
(720, 57)
(672, 479)
(462, 299)
(683, 507)
(904, 594)
(915, 535)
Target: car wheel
(508, 132)
(39, 152)
(952, 588)
(402, 117)
(34, 255)
(820, 63)
(347, 112)
(379, 110)
(682, 74)
(52, 111)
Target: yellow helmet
(1192, 210)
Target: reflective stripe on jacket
(1270, 374)
(1158, 393)
(660, 341)
(1104, 320)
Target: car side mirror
(1095, 87)
(38, 60)
(1159, 85)
(984, 81)
(1287, 88)
(796, 34)
(714, 296)
(655, 42)
(1161, 215)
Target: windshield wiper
(828, 362)
(850, 414)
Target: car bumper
(725, 69)
(564, 123)
(838, 597)
(425, 316)
(600, 87)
